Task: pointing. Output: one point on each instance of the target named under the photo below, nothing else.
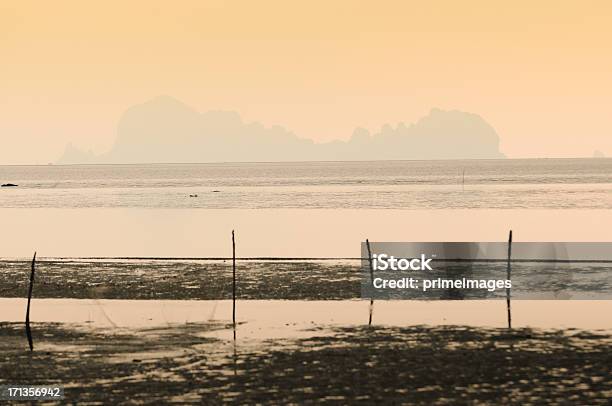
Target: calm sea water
(533, 183)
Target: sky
(538, 72)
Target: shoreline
(267, 319)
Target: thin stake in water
(234, 299)
(371, 280)
(508, 277)
(234, 282)
(27, 320)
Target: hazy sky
(539, 72)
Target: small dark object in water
(193, 195)
(216, 191)
(9, 185)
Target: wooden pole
(27, 320)
(234, 299)
(371, 281)
(233, 280)
(508, 277)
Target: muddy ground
(417, 365)
(280, 279)
(211, 280)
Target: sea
(468, 184)
(111, 218)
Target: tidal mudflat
(282, 279)
(417, 365)
(161, 331)
(203, 280)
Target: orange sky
(539, 72)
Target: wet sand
(94, 334)
(284, 279)
(204, 280)
(358, 364)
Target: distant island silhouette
(165, 130)
(598, 154)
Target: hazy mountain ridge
(167, 130)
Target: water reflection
(268, 319)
